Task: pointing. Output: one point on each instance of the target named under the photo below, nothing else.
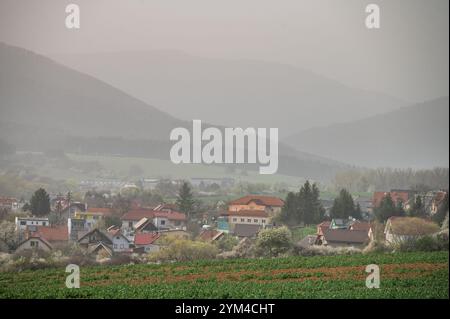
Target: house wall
(22, 223)
(120, 244)
(233, 219)
(31, 244)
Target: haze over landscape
(336, 96)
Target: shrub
(184, 250)
(273, 242)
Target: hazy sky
(407, 57)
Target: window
(130, 224)
(242, 220)
(235, 219)
(34, 243)
(115, 246)
(163, 222)
(249, 220)
(263, 221)
(23, 223)
(44, 223)
(255, 220)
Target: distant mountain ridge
(414, 136)
(46, 105)
(244, 93)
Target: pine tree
(388, 208)
(40, 203)
(185, 200)
(343, 205)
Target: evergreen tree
(343, 205)
(185, 200)
(388, 208)
(417, 209)
(290, 214)
(303, 207)
(40, 203)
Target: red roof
(145, 238)
(396, 196)
(138, 214)
(248, 213)
(52, 233)
(170, 215)
(259, 199)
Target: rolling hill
(413, 136)
(245, 93)
(46, 105)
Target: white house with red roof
(162, 220)
(146, 242)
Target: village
(127, 227)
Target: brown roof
(53, 233)
(346, 236)
(138, 214)
(260, 199)
(246, 230)
(411, 226)
(210, 234)
(248, 213)
(360, 226)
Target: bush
(425, 243)
(227, 243)
(273, 242)
(184, 250)
(376, 246)
(317, 250)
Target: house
(120, 243)
(76, 226)
(22, 223)
(341, 223)
(93, 216)
(34, 243)
(210, 235)
(401, 229)
(438, 198)
(55, 235)
(345, 238)
(246, 230)
(93, 237)
(146, 242)
(100, 249)
(270, 204)
(161, 219)
(145, 225)
(9, 203)
(398, 196)
(132, 217)
(252, 217)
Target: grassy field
(403, 275)
(119, 166)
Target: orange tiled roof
(260, 199)
(53, 233)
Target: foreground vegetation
(403, 275)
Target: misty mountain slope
(416, 136)
(232, 92)
(44, 105)
(37, 91)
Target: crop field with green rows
(402, 275)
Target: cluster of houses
(141, 231)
